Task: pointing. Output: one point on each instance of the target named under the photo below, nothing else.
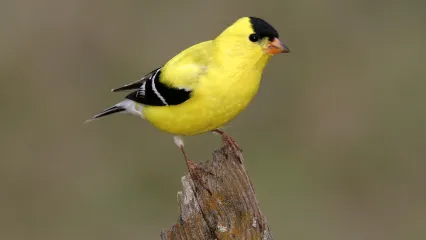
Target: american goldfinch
(205, 86)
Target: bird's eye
(254, 38)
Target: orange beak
(275, 47)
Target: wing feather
(173, 83)
(185, 69)
(137, 84)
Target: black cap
(263, 29)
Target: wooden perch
(219, 202)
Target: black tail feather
(106, 112)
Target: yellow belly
(211, 106)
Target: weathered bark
(219, 202)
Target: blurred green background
(335, 141)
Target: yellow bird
(205, 86)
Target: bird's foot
(190, 165)
(194, 171)
(228, 139)
(232, 141)
(193, 168)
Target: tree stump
(219, 202)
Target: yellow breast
(225, 84)
(218, 99)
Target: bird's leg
(189, 164)
(229, 139)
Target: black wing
(150, 91)
(137, 84)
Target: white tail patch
(125, 106)
(131, 107)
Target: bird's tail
(128, 106)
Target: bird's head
(253, 35)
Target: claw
(229, 140)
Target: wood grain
(219, 202)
